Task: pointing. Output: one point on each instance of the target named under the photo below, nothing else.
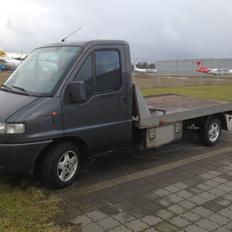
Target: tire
(61, 165)
(210, 133)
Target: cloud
(156, 29)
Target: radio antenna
(63, 40)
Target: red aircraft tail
(201, 68)
(199, 63)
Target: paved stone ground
(179, 187)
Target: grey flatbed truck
(68, 102)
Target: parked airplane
(10, 61)
(141, 70)
(7, 63)
(215, 71)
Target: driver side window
(85, 74)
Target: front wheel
(210, 134)
(61, 165)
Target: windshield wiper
(6, 87)
(21, 89)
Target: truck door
(104, 120)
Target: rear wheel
(61, 165)
(210, 133)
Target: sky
(155, 29)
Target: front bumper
(20, 158)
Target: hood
(11, 103)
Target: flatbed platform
(175, 103)
(172, 108)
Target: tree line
(145, 65)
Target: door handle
(123, 101)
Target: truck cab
(72, 95)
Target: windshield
(43, 69)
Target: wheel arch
(222, 118)
(204, 120)
(81, 144)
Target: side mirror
(76, 92)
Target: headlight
(12, 128)
(15, 128)
(2, 127)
